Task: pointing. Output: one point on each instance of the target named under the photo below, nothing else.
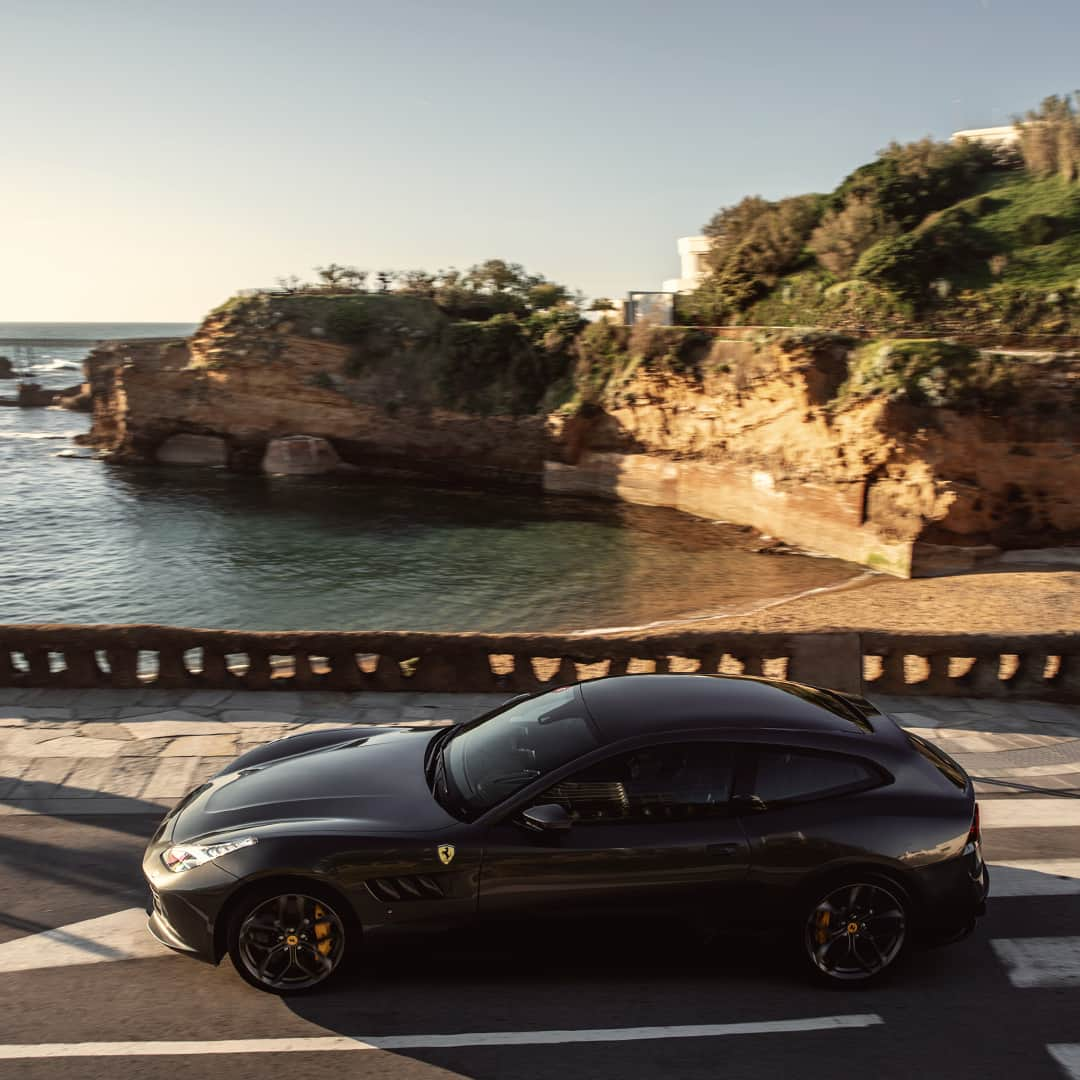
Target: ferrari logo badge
(446, 853)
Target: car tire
(289, 937)
(854, 930)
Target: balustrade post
(938, 680)
(985, 676)
(82, 669)
(754, 663)
(345, 673)
(123, 667)
(892, 679)
(258, 676)
(1030, 677)
(523, 678)
(387, 675)
(1067, 680)
(303, 676)
(172, 672)
(38, 659)
(215, 669)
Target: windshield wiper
(434, 749)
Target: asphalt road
(951, 1012)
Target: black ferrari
(716, 800)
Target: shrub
(1050, 139)
(753, 243)
(1037, 229)
(898, 263)
(919, 371)
(846, 233)
(348, 322)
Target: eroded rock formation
(760, 434)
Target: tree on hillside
(354, 278)
(336, 276)
(755, 242)
(910, 180)
(845, 234)
(497, 276)
(1050, 138)
(418, 283)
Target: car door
(652, 830)
(802, 810)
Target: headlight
(182, 857)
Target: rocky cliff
(789, 436)
(246, 385)
(776, 436)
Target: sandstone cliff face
(759, 436)
(763, 439)
(250, 392)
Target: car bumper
(183, 908)
(954, 897)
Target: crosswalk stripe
(307, 1044)
(1038, 962)
(1025, 813)
(1067, 1055)
(1035, 877)
(119, 936)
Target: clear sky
(158, 156)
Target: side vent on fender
(398, 889)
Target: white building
(997, 137)
(692, 252)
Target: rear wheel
(855, 931)
(285, 939)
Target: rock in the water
(6, 370)
(299, 455)
(34, 396)
(187, 449)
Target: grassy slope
(1006, 200)
(1014, 197)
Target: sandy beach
(994, 601)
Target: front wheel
(855, 931)
(284, 940)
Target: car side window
(668, 782)
(795, 776)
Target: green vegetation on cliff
(953, 235)
(406, 347)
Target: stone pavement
(129, 751)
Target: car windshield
(490, 762)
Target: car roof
(625, 706)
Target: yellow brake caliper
(822, 920)
(322, 933)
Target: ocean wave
(55, 364)
(38, 434)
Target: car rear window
(940, 760)
(794, 776)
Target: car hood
(375, 783)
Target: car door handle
(722, 851)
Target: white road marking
(1067, 1055)
(1025, 813)
(417, 1042)
(1035, 877)
(120, 936)
(1040, 961)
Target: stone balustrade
(1036, 666)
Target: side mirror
(550, 817)
(749, 802)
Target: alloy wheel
(856, 931)
(291, 942)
